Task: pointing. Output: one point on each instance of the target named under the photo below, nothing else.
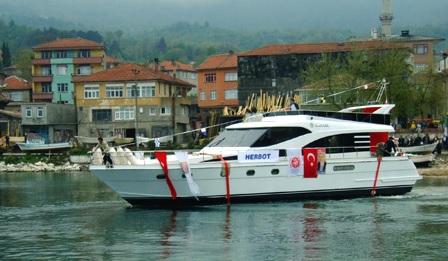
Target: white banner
(258, 156)
(182, 156)
(295, 161)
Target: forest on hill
(186, 42)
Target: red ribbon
(226, 169)
(373, 193)
(161, 157)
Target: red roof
(220, 61)
(282, 49)
(69, 44)
(127, 72)
(175, 65)
(16, 83)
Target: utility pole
(136, 92)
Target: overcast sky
(135, 15)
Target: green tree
(6, 55)
(23, 61)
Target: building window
(420, 67)
(61, 54)
(40, 112)
(231, 94)
(91, 92)
(165, 111)
(45, 71)
(210, 77)
(231, 76)
(46, 87)
(213, 95)
(28, 112)
(202, 96)
(184, 110)
(152, 111)
(84, 53)
(125, 113)
(45, 55)
(148, 91)
(16, 96)
(101, 115)
(84, 70)
(62, 87)
(114, 91)
(61, 70)
(421, 49)
(132, 91)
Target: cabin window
(342, 143)
(250, 172)
(277, 135)
(237, 137)
(275, 171)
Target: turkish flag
(310, 163)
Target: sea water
(74, 216)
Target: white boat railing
(144, 157)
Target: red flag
(310, 163)
(161, 157)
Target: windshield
(237, 137)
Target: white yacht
(221, 173)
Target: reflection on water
(65, 216)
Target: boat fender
(97, 157)
(113, 155)
(122, 160)
(132, 159)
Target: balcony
(42, 96)
(88, 60)
(42, 78)
(78, 77)
(41, 61)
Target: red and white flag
(310, 163)
(295, 161)
(182, 156)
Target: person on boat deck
(294, 106)
(105, 149)
(390, 146)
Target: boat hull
(44, 147)
(425, 148)
(146, 185)
(291, 196)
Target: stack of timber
(262, 102)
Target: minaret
(386, 19)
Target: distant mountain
(241, 15)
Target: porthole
(160, 176)
(343, 167)
(183, 175)
(250, 172)
(275, 171)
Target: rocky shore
(40, 167)
(438, 168)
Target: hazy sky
(135, 15)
